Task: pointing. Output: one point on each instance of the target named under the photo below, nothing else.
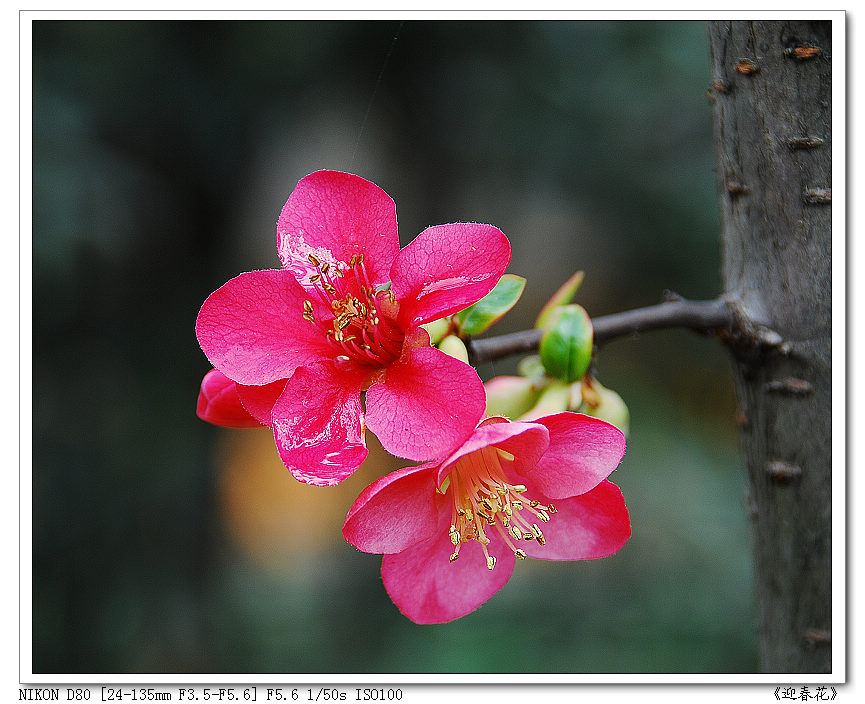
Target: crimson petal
(394, 512)
(318, 424)
(583, 451)
(333, 216)
(447, 268)
(428, 404)
(252, 328)
(428, 588)
(592, 525)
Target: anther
(516, 532)
(534, 504)
(521, 554)
(315, 261)
(551, 508)
(538, 535)
(520, 488)
(454, 557)
(454, 534)
(491, 562)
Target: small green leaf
(479, 317)
(562, 297)
(566, 346)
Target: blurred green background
(163, 152)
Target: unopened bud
(607, 405)
(566, 346)
(437, 329)
(455, 347)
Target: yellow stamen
(478, 487)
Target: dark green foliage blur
(163, 153)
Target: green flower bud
(511, 396)
(437, 329)
(566, 346)
(607, 405)
(455, 347)
(553, 399)
(531, 367)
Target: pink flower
(451, 531)
(342, 317)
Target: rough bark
(771, 89)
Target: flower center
(360, 327)
(484, 501)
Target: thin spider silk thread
(374, 92)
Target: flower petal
(428, 404)
(252, 328)
(318, 424)
(592, 525)
(428, 588)
(334, 215)
(259, 400)
(527, 443)
(583, 451)
(219, 403)
(394, 512)
(447, 268)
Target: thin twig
(700, 316)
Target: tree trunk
(771, 89)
